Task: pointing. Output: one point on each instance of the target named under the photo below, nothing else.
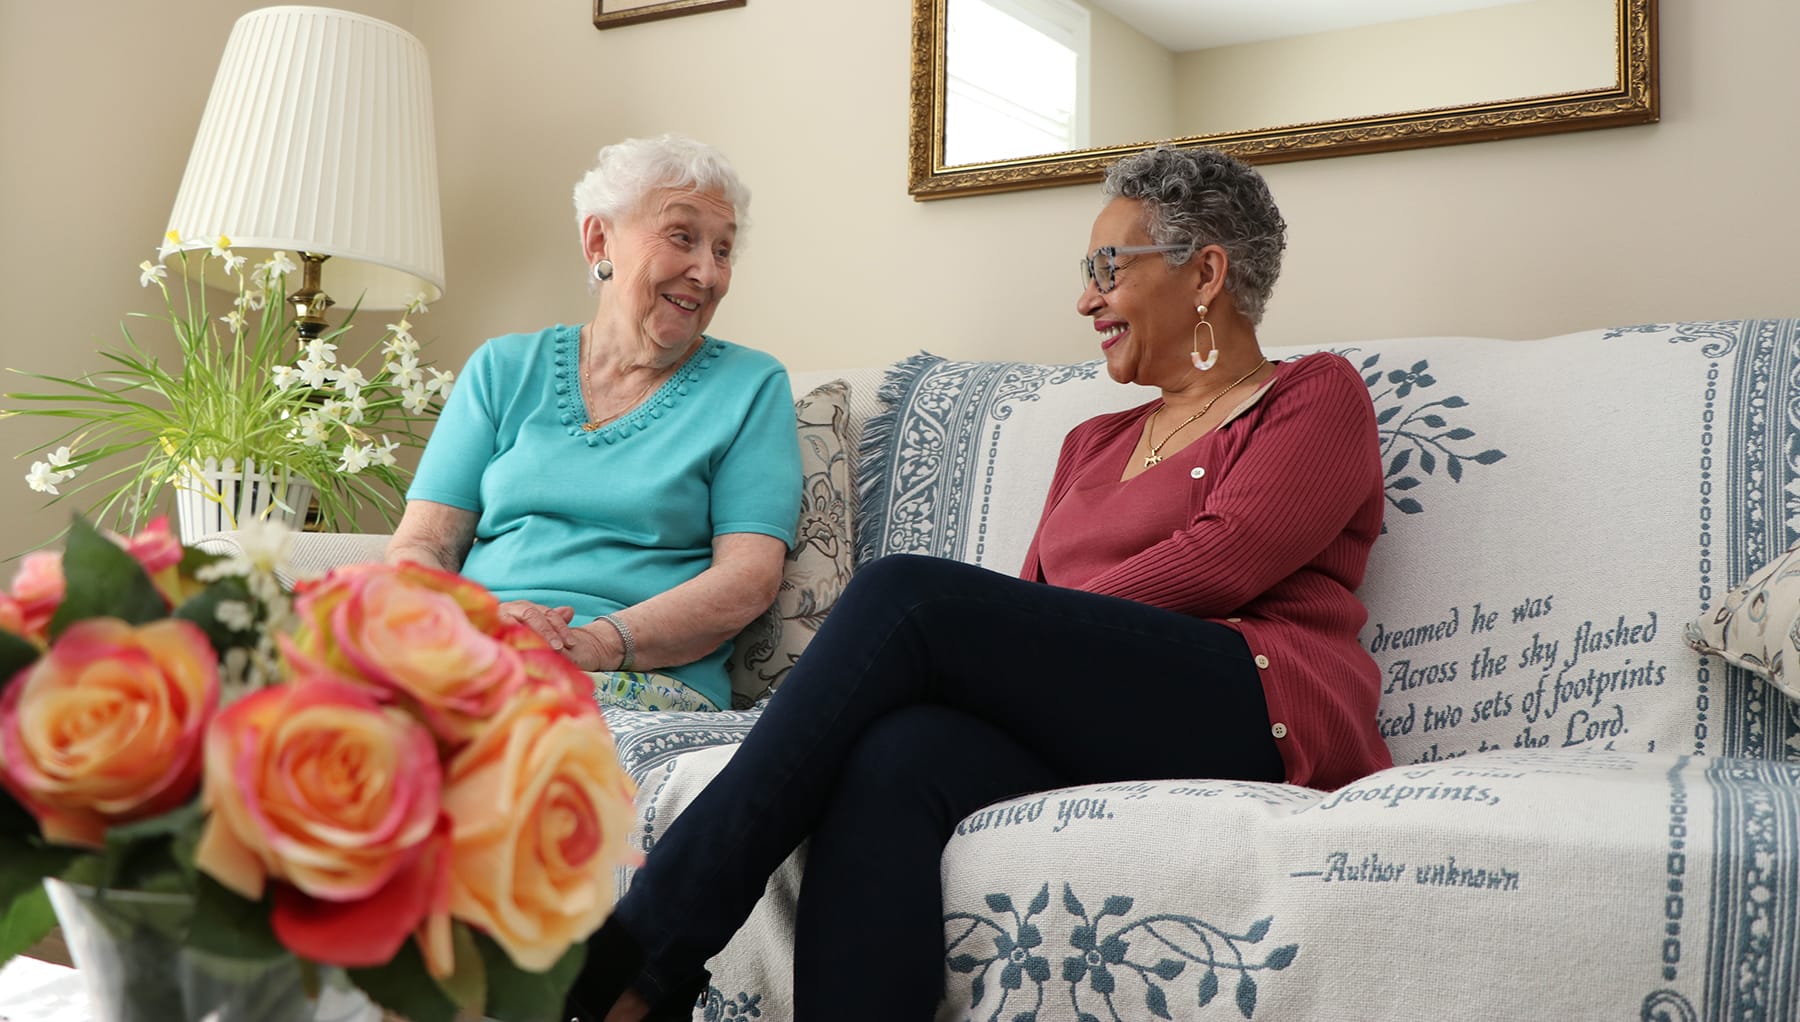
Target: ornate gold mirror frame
(1631, 100)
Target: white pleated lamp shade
(318, 138)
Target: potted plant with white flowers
(250, 422)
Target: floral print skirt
(645, 690)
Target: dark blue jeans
(933, 689)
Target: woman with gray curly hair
(1198, 554)
(628, 486)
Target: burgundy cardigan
(1263, 525)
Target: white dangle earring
(603, 270)
(1212, 356)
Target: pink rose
(38, 588)
(318, 785)
(12, 616)
(541, 810)
(156, 548)
(160, 553)
(411, 632)
(106, 726)
(543, 665)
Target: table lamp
(317, 139)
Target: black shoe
(614, 962)
(681, 1002)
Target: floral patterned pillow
(819, 565)
(1757, 627)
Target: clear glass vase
(127, 946)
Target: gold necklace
(1155, 455)
(587, 387)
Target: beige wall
(1509, 52)
(1691, 218)
(1131, 88)
(99, 102)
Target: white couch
(1586, 820)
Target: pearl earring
(603, 270)
(1212, 356)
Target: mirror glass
(1013, 93)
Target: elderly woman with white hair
(627, 486)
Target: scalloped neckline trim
(572, 413)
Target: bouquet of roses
(374, 772)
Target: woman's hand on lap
(550, 622)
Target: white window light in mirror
(1036, 99)
(1272, 80)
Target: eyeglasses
(1101, 269)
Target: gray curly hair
(1200, 197)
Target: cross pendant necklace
(1155, 455)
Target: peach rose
(106, 727)
(319, 785)
(427, 636)
(541, 810)
(326, 592)
(38, 588)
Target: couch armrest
(313, 553)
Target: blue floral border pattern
(1666, 1006)
(1721, 336)
(1101, 956)
(1754, 963)
(644, 837)
(1753, 769)
(648, 739)
(1751, 491)
(910, 486)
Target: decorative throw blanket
(1588, 820)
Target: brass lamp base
(310, 303)
(308, 300)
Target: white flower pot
(219, 496)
